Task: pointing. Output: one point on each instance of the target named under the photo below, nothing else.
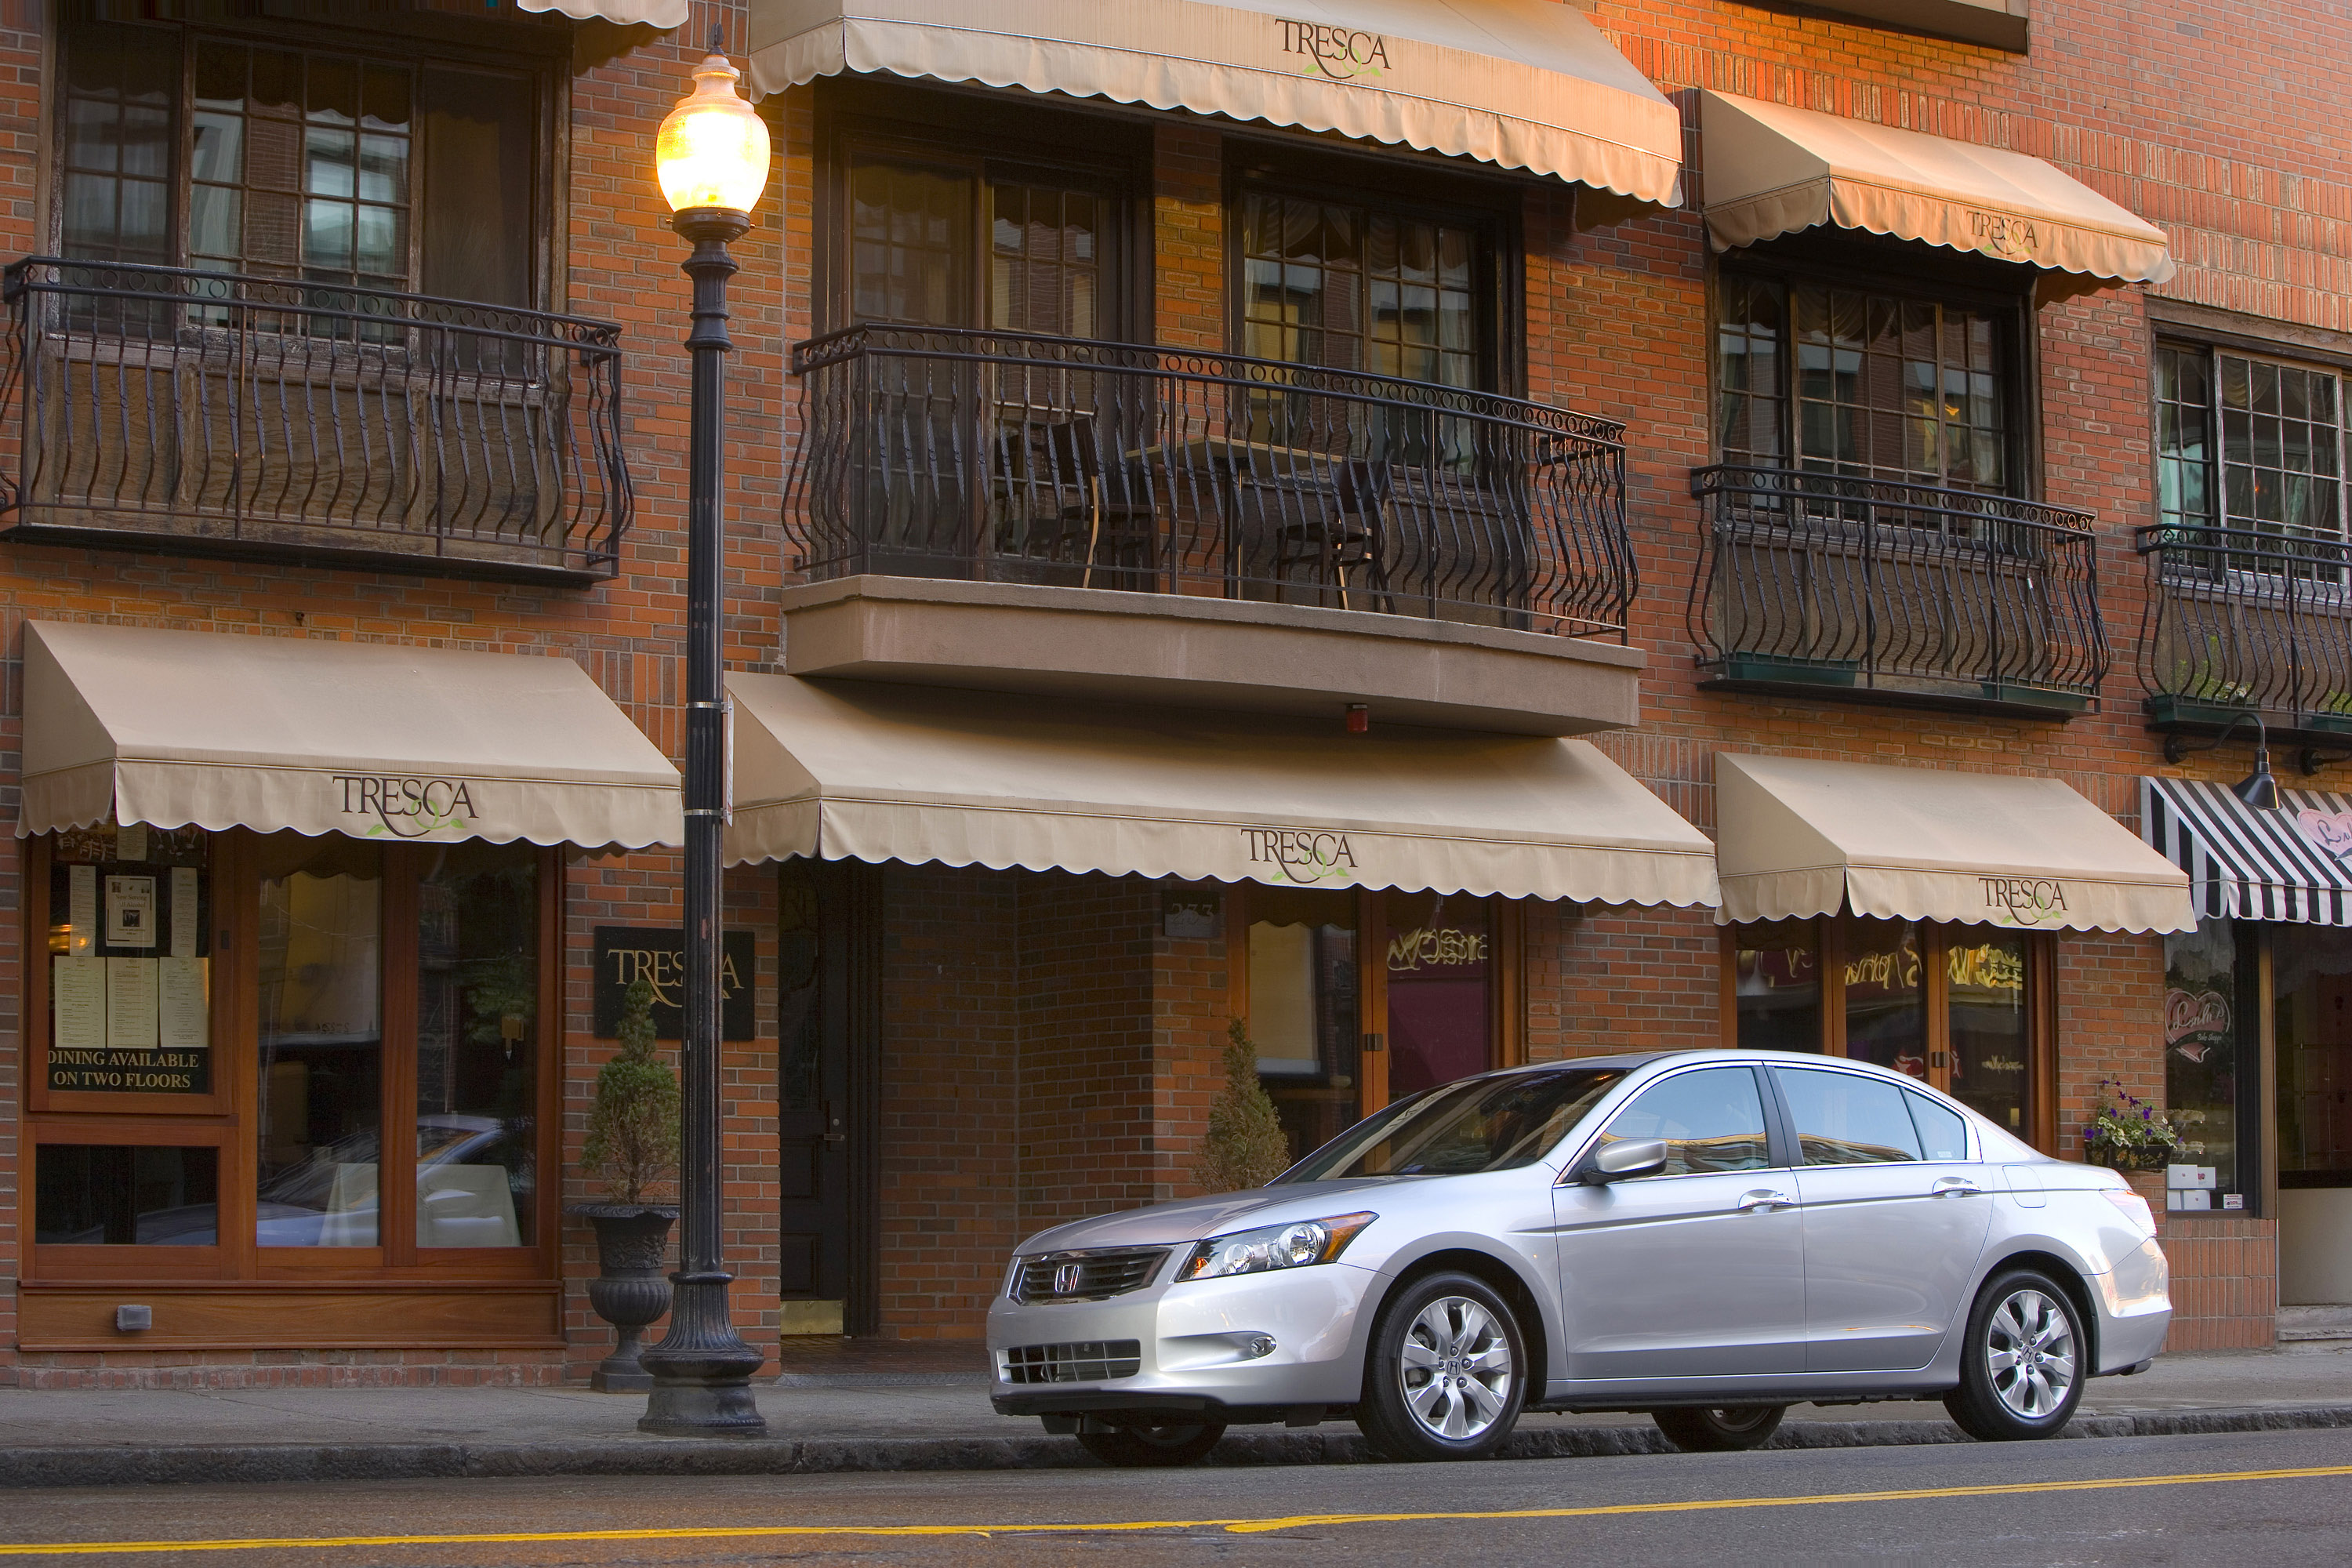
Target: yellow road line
(1234, 1526)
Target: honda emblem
(1066, 1277)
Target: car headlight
(1292, 1245)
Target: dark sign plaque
(658, 953)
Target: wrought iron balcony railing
(167, 408)
(1007, 457)
(2240, 620)
(1911, 592)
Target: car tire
(1446, 1372)
(1153, 1448)
(1722, 1429)
(2024, 1361)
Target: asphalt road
(2273, 1497)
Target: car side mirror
(1618, 1162)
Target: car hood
(1190, 1219)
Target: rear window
(1845, 1119)
(1459, 1129)
(1942, 1134)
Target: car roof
(1630, 1061)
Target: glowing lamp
(712, 150)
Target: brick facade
(1047, 1051)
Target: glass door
(1304, 1011)
(1440, 979)
(969, 452)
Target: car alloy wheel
(1446, 1375)
(2029, 1352)
(1721, 1429)
(1455, 1368)
(1153, 1448)
(2020, 1367)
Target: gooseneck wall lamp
(711, 156)
(2258, 789)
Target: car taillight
(2135, 1208)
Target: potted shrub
(632, 1148)
(1244, 1147)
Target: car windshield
(1455, 1130)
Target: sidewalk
(927, 1410)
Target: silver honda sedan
(1707, 1235)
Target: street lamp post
(712, 157)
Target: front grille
(1088, 1361)
(1085, 1276)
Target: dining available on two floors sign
(657, 954)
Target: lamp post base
(702, 1371)
(716, 1406)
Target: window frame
(2210, 348)
(1873, 264)
(416, 40)
(1102, 154)
(1492, 214)
(1936, 940)
(229, 1118)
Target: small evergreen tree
(1244, 1146)
(633, 1127)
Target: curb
(246, 1464)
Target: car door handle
(1764, 1198)
(1954, 1187)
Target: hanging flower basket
(2127, 1134)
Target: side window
(1844, 1119)
(1942, 1134)
(1712, 1119)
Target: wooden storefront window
(1966, 1008)
(379, 1108)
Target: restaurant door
(1344, 1025)
(827, 1102)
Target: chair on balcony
(1349, 537)
(1057, 461)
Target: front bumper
(1193, 1345)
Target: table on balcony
(1317, 483)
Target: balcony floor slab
(1175, 650)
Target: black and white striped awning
(2242, 863)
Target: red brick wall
(1188, 222)
(1192, 1008)
(2174, 108)
(950, 1111)
(1086, 1047)
(618, 262)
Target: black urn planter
(630, 1290)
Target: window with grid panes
(1353, 287)
(913, 257)
(359, 166)
(2248, 443)
(1867, 384)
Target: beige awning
(1772, 170)
(1799, 836)
(862, 770)
(663, 14)
(374, 740)
(1525, 84)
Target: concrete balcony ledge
(1174, 650)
